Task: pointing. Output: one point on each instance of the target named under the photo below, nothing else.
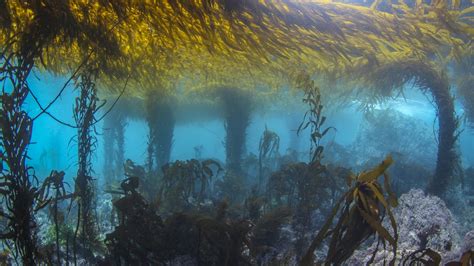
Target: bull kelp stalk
(109, 145)
(85, 109)
(114, 130)
(447, 135)
(120, 152)
(150, 103)
(429, 80)
(17, 186)
(237, 107)
(164, 138)
(464, 76)
(161, 123)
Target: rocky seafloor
(424, 221)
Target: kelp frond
(170, 40)
(363, 209)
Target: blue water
(54, 146)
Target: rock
(468, 243)
(44, 223)
(424, 221)
(105, 214)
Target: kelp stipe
(160, 119)
(430, 80)
(19, 185)
(237, 108)
(85, 115)
(114, 127)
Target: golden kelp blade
(376, 172)
(204, 42)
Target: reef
(424, 222)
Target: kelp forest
(237, 132)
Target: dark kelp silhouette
(267, 149)
(429, 80)
(237, 108)
(359, 213)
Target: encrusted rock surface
(468, 243)
(105, 214)
(424, 221)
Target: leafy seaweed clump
(143, 237)
(363, 209)
(187, 184)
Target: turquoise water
(54, 146)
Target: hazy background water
(53, 146)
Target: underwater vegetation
(237, 57)
(85, 109)
(160, 120)
(267, 150)
(237, 110)
(183, 181)
(114, 142)
(361, 216)
(430, 80)
(20, 190)
(465, 69)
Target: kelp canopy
(225, 42)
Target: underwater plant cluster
(224, 132)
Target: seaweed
(361, 211)
(143, 237)
(423, 256)
(429, 80)
(18, 184)
(254, 204)
(313, 118)
(237, 107)
(55, 182)
(161, 122)
(187, 183)
(138, 232)
(24, 196)
(467, 258)
(268, 147)
(86, 107)
(232, 187)
(266, 233)
(113, 136)
(282, 185)
(304, 188)
(299, 183)
(464, 78)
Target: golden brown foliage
(224, 42)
